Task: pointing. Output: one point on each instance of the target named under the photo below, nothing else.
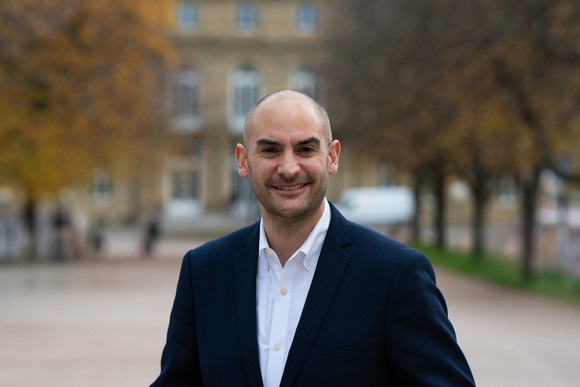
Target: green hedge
(495, 269)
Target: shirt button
(270, 254)
(277, 346)
(308, 263)
(283, 291)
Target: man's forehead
(286, 102)
(285, 113)
(287, 95)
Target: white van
(378, 206)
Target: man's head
(287, 94)
(288, 153)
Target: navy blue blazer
(373, 317)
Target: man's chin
(290, 212)
(286, 208)
(297, 210)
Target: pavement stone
(102, 322)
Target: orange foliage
(80, 83)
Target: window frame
(308, 82)
(307, 20)
(187, 22)
(185, 105)
(244, 80)
(101, 186)
(247, 18)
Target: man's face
(287, 158)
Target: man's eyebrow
(311, 140)
(265, 141)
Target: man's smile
(289, 187)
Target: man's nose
(289, 165)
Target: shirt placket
(278, 333)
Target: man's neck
(285, 236)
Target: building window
(184, 177)
(102, 186)
(306, 81)
(307, 19)
(185, 104)
(184, 184)
(507, 192)
(183, 187)
(187, 17)
(247, 18)
(244, 203)
(246, 88)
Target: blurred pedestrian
(152, 233)
(65, 244)
(304, 297)
(97, 237)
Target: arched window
(102, 186)
(246, 85)
(306, 19)
(182, 186)
(308, 82)
(186, 100)
(247, 18)
(187, 17)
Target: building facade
(231, 53)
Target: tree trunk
(478, 223)
(29, 217)
(480, 190)
(530, 185)
(440, 209)
(416, 222)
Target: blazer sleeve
(180, 359)
(420, 339)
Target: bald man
(305, 297)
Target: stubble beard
(288, 217)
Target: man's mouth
(289, 187)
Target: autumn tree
(519, 66)
(385, 73)
(80, 82)
(480, 89)
(535, 60)
(484, 130)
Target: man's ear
(333, 154)
(242, 160)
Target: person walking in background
(65, 243)
(305, 297)
(152, 233)
(97, 237)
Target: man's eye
(306, 149)
(269, 150)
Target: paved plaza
(102, 322)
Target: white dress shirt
(280, 296)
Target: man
(305, 297)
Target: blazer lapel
(331, 266)
(245, 278)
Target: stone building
(231, 53)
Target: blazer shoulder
(375, 248)
(364, 237)
(225, 247)
(367, 244)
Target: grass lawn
(492, 268)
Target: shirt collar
(310, 249)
